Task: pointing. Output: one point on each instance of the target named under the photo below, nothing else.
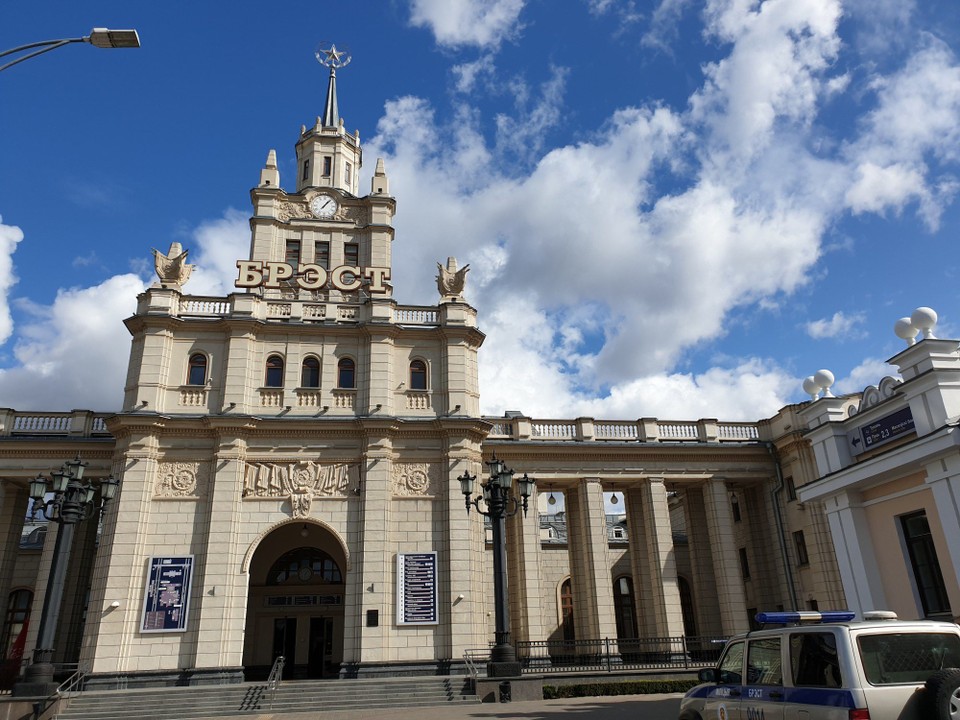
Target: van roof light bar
(804, 616)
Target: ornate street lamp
(73, 500)
(501, 504)
(98, 37)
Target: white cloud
(482, 23)
(840, 325)
(216, 246)
(73, 353)
(869, 372)
(10, 235)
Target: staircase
(209, 701)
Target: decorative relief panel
(288, 210)
(357, 214)
(415, 479)
(300, 482)
(179, 479)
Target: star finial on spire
(329, 56)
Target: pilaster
(14, 502)
(855, 554)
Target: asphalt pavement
(623, 707)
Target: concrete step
(292, 696)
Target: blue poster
(167, 597)
(417, 589)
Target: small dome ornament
(923, 319)
(821, 381)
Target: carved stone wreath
(414, 479)
(178, 479)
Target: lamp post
(500, 504)
(98, 37)
(74, 500)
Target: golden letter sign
(310, 276)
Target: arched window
(624, 608)
(566, 610)
(346, 373)
(310, 373)
(13, 637)
(197, 371)
(274, 371)
(304, 565)
(418, 375)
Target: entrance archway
(295, 603)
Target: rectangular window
(327, 162)
(306, 169)
(926, 567)
(744, 564)
(764, 666)
(814, 661)
(895, 658)
(791, 488)
(292, 257)
(348, 173)
(800, 544)
(351, 254)
(321, 254)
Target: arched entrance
(295, 603)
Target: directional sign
(885, 429)
(417, 589)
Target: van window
(893, 658)
(764, 666)
(814, 661)
(731, 666)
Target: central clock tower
(324, 222)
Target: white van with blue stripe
(827, 666)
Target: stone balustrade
(78, 423)
(645, 430)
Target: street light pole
(98, 37)
(73, 501)
(500, 504)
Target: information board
(417, 589)
(884, 429)
(167, 597)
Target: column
(855, 555)
(590, 563)
(726, 563)
(13, 509)
(703, 583)
(653, 561)
(770, 575)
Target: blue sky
(672, 208)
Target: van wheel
(943, 694)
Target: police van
(826, 666)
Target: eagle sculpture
(450, 281)
(172, 268)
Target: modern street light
(74, 500)
(98, 37)
(500, 504)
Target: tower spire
(331, 115)
(329, 56)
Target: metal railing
(610, 655)
(72, 684)
(274, 679)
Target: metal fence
(610, 655)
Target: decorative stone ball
(823, 378)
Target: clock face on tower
(324, 206)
